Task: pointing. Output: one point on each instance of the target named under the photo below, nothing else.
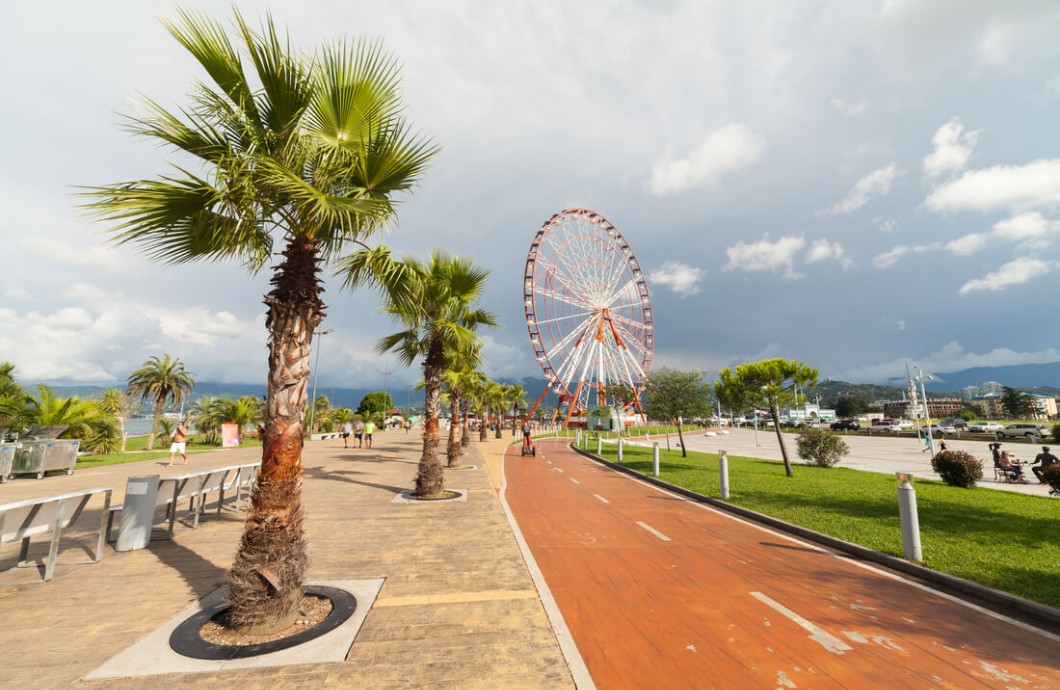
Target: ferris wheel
(588, 312)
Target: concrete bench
(195, 488)
(52, 514)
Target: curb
(1024, 610)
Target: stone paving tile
(55, 633)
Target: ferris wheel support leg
(573, 403)
(534, 408)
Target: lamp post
(316, 371)
(385, 373)
(920, 375)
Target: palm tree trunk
(482, 430)
(465, 427)
(265, 582)
(430, 481)
(453, 450)
(774, 412)
(154, 425)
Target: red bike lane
(658, 591)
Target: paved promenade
(458, 608)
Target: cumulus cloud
(1025, 231)
(877, 183)
(1020, 187)
(953, 148)
(823, 250)
(766, 256)
(884, 224)
(891, 256)
(1015, 272)
(681, 278)
(724, 150)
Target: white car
(904, 424)
(942, 429)
(984, 427)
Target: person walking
(1045, 458)
(369, 429)
(179, 444)
(358, 431)
(347, 429)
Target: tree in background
(374, 404)
(307, 147)
(435, 303)
(460, 373)
(767, 383)
(849, 406)
(118, 404)
(158, 381)
(675, 396)
(1017, 404)
(13, 399)
(83, 419)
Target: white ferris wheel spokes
(588, 310)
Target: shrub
(1056, 432)
(958, 468)
(1051, 475)
(821, 448)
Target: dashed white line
(556, 469)
(600, 498)
(831, 643)
(575, 480)
(654, 531)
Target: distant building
(809, 411)
(969, 393)
(1044, 406)
(936, 408)
(989, 407)
(991, 388)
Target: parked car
(905, 424)
(956, 422)
(984, 427)
(935, 429)
(885, 424)
(845, 425)
(1017, 430)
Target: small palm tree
(116, 403)
(83, 419)
(434, 301)
(457, 377)
(307, 147)
(159, 381)
(13, 399)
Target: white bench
(24, 519)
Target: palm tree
(307, 147)
(119, 405)
(516, 400)
(158, 381)
(434, 302)
(242, 412)
(458, 375)
(83, 419)
(13, 399)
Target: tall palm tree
(160, 380)
(434, 302)
(303, 150)
(456, 379)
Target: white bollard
(908, 516)
(577, 437)
(619, 451)
(600, 445)
(655, 458)
(723, 472)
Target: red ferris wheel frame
(588, 310)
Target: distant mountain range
(1041, 378)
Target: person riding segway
(528, 444)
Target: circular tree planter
(187, 641)
(446, 495)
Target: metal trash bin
(7, 458)
(38, 452)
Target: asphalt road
(658, 591)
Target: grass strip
(1001, 539)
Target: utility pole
(316, 371)
(386, 375)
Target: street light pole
(316, 371)
(923, 392)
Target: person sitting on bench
(1013, 470)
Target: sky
(854, 184)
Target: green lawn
(1001, 539)
(136, 450)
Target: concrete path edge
(1024, 610)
